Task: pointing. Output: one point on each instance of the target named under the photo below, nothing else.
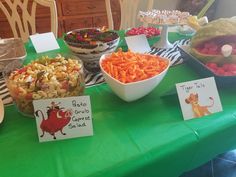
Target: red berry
(212, 52)
(232, 67)
(234, 51)
(210, 45)
(149, 31)
(228, 73)
(220, 71)
(204, 50)
(213, 70)
(212, 65)
(233, 73)
(226, 66)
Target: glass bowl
(47, 77)
(11, 49)
(89, 44)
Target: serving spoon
(1, 111)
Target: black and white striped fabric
(92, 79)
(173, 53)
(4, 93)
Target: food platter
(164, 19)
(202, 70)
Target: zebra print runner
(173, 53)
(4, 93)
(92, 79)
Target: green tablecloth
(147, 137)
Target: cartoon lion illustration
(198, 109)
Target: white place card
(198, 98)
(138, 43)
(63, 118)
(44, 42)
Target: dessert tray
(164, 18)
(204, 71)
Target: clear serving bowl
(44, 78)
(11, 49)
(89, 44)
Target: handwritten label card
(198, 98)
(63, 118)
(138, 43)
(44, 42)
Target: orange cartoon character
(198, 110)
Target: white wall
(165, 4)
(161, 4)
(226, 8)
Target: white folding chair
(23, 22)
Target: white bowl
(134, 90)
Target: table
(147, 137)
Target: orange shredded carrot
(131, 67)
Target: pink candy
(148, 31)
